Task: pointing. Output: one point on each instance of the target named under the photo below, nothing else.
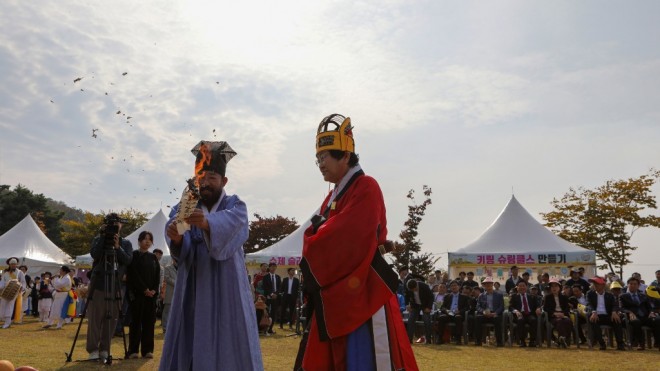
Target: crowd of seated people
(579, 311)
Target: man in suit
(636, 306)
(602, 306)
(420, 299)
(512, 282)
(524, 306)
(271, 284)
(289, 294)
(454, 306)
(490, 306)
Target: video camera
(110, 228)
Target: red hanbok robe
(350, 284)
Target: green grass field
(29, 344)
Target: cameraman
(110, 253)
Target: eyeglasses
(321, 158)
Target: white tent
(155, 225)
(516, 238)
(31, 246)
(286, 252)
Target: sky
(478, 100)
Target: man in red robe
(355, 322)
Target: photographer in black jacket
(111, 254)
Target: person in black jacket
(524, 308)
(143, 285)
(558, 309)
(420, 299)
(602, 305)
(271, 284)
(454, 306)
(289, 293)
(635, 304)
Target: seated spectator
(602, 306)
(653, 293)
(454, 306)
(263, 320)
(556, 306)
(440, 290)
(524, 307)
(580, 307)
(420, 303)
(490, 306)
(636, 305)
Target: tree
(78, 235)
(604, 219)
(16, 204)
(266, 231)
(407, 252)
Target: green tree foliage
(16, 204)
(78, 235)
(604, 219)
(407, 253)
(266, 231)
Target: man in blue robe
(212, 324)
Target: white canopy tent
(155, 225)
(286, 252)
(516, 238)
(32, 248)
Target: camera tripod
(112, 296)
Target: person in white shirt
(62, 286)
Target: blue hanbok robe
(212, 324)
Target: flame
(199, 165)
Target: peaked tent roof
(516, 231)
(155, 225)
(28, 243)
(289, 248)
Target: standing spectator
(102, 311)
(512, 282)
(577, 279)
(62, 285)
(257, 281)
(542, 286)
(454, 307)
(602, 306)
(420, 299)
(170, 283)
(289, 292)
(558, 309)
(470, 282)
(34, 295)
(435, 278)
(404, 277)
(27, 299)
(143, 284)
(490, 306)
(272, 283)
(461, 278)
(45, 297)
(7, 306)
(524, 308)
